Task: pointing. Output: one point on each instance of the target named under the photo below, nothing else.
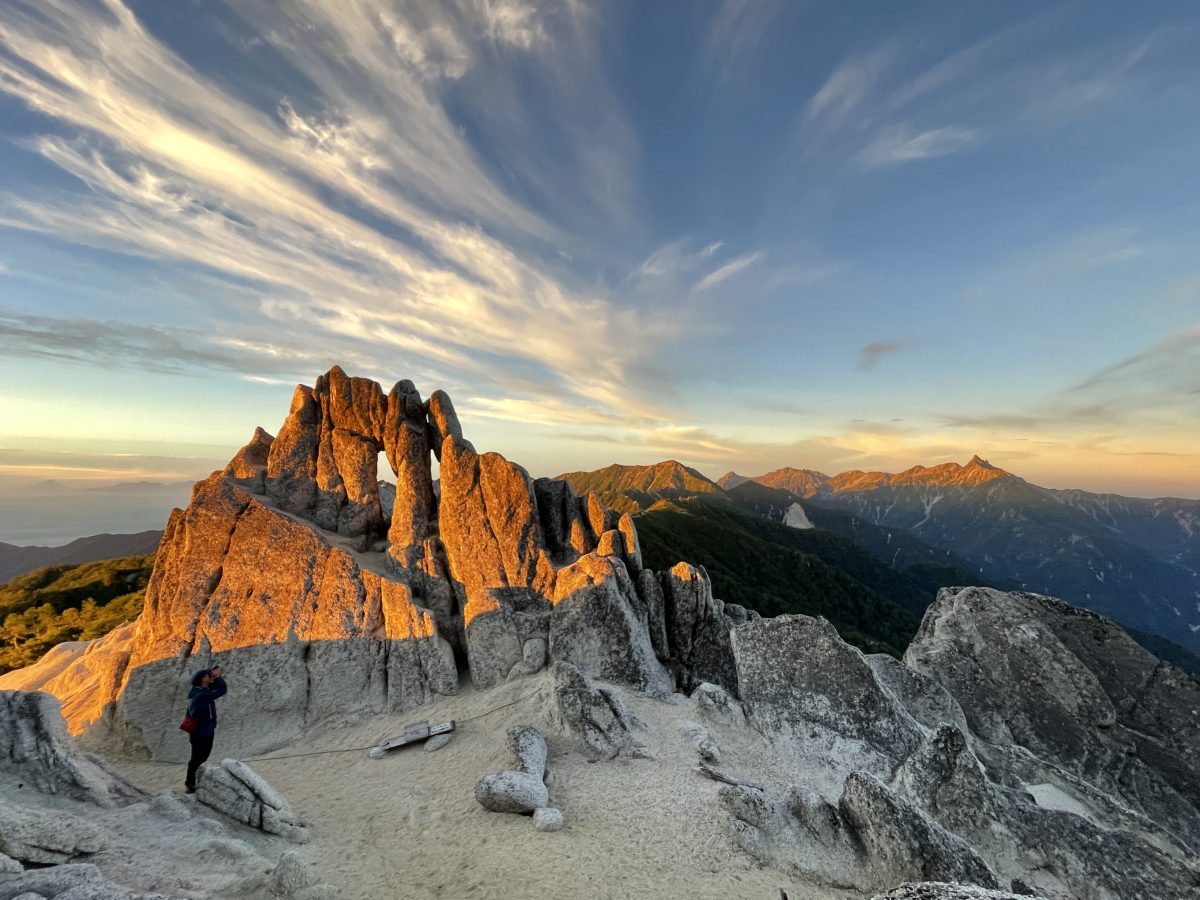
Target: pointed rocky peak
(732, 479)
(802, 482)
(667, 477)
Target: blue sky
(741, 234)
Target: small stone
(702, 739)
(291, 874)
(436, 743)
(548, 819)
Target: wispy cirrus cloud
(904, 101)
(359, 211)
(728, 270)
(901, 145)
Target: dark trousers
(201, 748)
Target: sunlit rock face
(322, 602)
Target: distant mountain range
(16, 560)
(1137, 561)
(767, 550)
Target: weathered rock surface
(941, 890)
(34, 742)
(596, 715)
(796, 675)
(1073, 689)
(37, 837)
(233, 789)
(249, 465)
(523, 789)
(547, 819)
(701, 740)
(715, 704)
(596, 627)
(870, 839)
(959, 771)
(306, 630)
(697, 628)
(74, 881)
(291, 875)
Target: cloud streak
(728, 270)
(871, 355)
(361, 213)
(900, 146)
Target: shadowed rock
(34, 742)
(795, 674)
(233, 789)
(697, 628)
(1074, 690)
(871, 839)
(595, 715)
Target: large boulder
(1074, 690)
(596, 715)
(523, 788)
(34, 743)
(870, 839)
(801, 682)
(595, 625)
(697, 627)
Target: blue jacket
(202, 704)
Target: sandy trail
(409, 826)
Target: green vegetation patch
(68, 603)
(759, 565)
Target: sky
(741, 234)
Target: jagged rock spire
(287, 565)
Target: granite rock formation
(234, 789)
(523, 788)
(596, 715)
(34, 744)
(1021, 743)
(326, 598)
